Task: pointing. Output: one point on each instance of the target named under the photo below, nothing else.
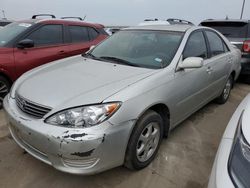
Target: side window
(92, 33)
(47, 35)
(78, 33)
(196, 46)
(215, 42)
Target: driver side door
(193, 87)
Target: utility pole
(242, 10)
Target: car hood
(78, 81)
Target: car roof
(226, 20)
(176, 27)
(62, 21)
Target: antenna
(242, 10)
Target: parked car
(114, 29)
(238, 33)
(170, 21)
(4, 22)
(31, 43)
(154, 22)
(232, 163)
(84, 115)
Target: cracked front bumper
(78, 151)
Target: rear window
(92, 33)
(229, 29)
(78, 34)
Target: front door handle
(209, 70)
(230, 59)
(62, 52)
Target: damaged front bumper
(73, 150)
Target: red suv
(30, 43)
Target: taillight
(246, 46)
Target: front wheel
(144, 141)
(222, 99)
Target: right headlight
(239, 161)
(84, 116)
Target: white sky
(126, 12)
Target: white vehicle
(232, 163)
(170, 21)
(153, 22)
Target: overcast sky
(126, 12)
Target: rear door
(220, 61)
(48, 46)
(81, 38)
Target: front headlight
(239, 161)
(84, 116)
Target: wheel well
(7, 78)
(163, 110)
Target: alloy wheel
(148, 142)
(3, 92)
(227, 89)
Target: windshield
(229, 29)
(149, 49)
(8, 32)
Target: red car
(30, 43)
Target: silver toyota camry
(114, 104)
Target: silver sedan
(113, 105)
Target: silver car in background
(232, 163)
(113, 105)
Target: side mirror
(92, 47)
(25, 43)
(191, 63)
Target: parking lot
(184, 160)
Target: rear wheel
(4, 89)
(222, 99)
(144, 141)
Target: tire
(147, 135)
(4, 89)
(222, 99)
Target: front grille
(31, 108)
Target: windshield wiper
(119, 61)
(89, 55)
